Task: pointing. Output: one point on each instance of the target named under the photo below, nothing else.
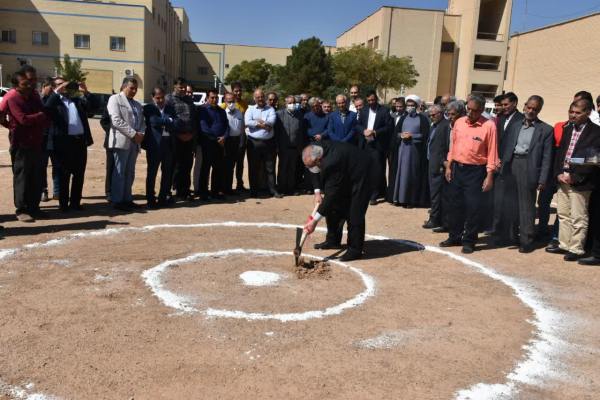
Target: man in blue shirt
(215, 130)
(342, 123)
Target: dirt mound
(312, 269)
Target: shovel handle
(305, 232)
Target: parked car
(3, 91)
(102, 101)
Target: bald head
(354, 93)
(447, 99)
(259, 98)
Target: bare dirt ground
(79, 321)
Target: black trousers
(161, 157)
(380, 183)
(518, 204)
(300, 172)
(239, 167)
(110, 167)
(212, 157)
(261, 153)
(287, 170)
(466, 202)
(28, 177)
(182, 170)
(71, 155)
(446, 210)
(436, 187)
(232, 156)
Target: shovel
(301, 235)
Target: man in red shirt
(26, 121)
(472, 160)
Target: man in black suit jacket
(105, 123)
(437, 153)
(159, 143)
(347, 175)
(526, 167)
(374, 127)
(580, 140)
(71, 135)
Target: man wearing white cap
(408, 155)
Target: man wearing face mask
(348, 176)
(232, 143)
(242, 105)
(409, 158)
(290, 132)
(526, 167)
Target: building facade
(139, 38)
(459, 50)
(558, 74)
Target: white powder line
(152, 278)
(540, 363)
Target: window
(82, 41)
(226, 65)
(117, 43)
(9, 36)
(491, 63)
(487, 91)
(370, 43)
(447, 47)
(376, 42)
(202, 70)
(40, 38)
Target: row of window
(81, 41)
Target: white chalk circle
(153, 278)
(259, 278)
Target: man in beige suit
(126, 134)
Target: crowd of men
(478, 173)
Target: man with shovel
(346, 175)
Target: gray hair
(298, 98)
(457, 106)
(312, 152)
(312, 101)
(290, 97)
(478, 99)
(438, 108)
(341, 95)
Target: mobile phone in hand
(73, 86)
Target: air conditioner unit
(129, 72)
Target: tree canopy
(308, 69)
(251, 74)
(369, 69)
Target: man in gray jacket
(290, 134)
(126, 134)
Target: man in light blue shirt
(260, 120)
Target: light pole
(216, 77)
(56, 72)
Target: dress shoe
(77, 207)
(163, 204)
(570, 257)
(468, 249)
(205, 197)
(553, 244)
(219, 197)
(431, 225)
(64, 209)
(189, 198)
(39, 214)
(241, 189)
(350, 256)
(133, 205)
(589, 261)
(409, 206)
(373, 202)
(450, 243)
(555, 250)
(45, 197)
(55, 196)
(327, 246)
(441, 229)
(526, 249)
(24, 217)
(277, 195)
(121, 207)
(153, 204)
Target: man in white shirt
(232, 143)
(260, 120)
(354, 94)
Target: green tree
(251, 74)
(273, 83)
(70, 71)
(371, 70)
(308, 69)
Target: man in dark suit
(71, 135)
(105, 123)
(342, 123)
(347, 175)
(375, 125)
(526, 167)
(437, 153)
(580, 140)
(159, 143)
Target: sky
(282, 23)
